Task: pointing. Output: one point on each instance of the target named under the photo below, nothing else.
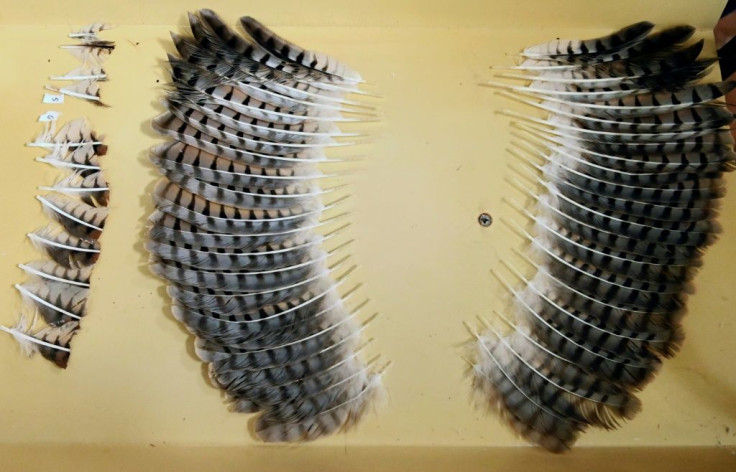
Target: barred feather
(66, 250)
(57, 302)
(78, 218)
(50, 270)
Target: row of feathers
(236, 229)
(91, 51)
(57, 290)
(624, 174)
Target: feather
(230, 303)
(290, 52)
(695, 192)
(57, 342)
(237, 280)
(640, 68)
(658, 325)
(282, 198)
(654, 102)
(85, 156)
(211, 32)
(683, 162)
(165, 227)
(609, 235)
(215, 217)
(58, 302)
(91, 51)
(91, 188)
(276, 255)
(67, 250)
(87, 89)
(50, 270)
(653, 45)
(78, 218)
(565, 124)
(564, 158)
(560, 49)
(627, 172)
(615, 367)
(176, 157)
(649, 327)
(168, 125)
(694, 118)
(21, 333)
(52, 342)
(227, 303)
(83, 72)
(303, 132)
(73, 134)
(90, 31)
(674, 233)
(599, 401)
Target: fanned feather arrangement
(57, 288)
(623, 176)
(239, 221)
(91, 51)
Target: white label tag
(53, 98)
(49, 116)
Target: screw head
(484, 219)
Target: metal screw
(485, 219)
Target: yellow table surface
(135, 398)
